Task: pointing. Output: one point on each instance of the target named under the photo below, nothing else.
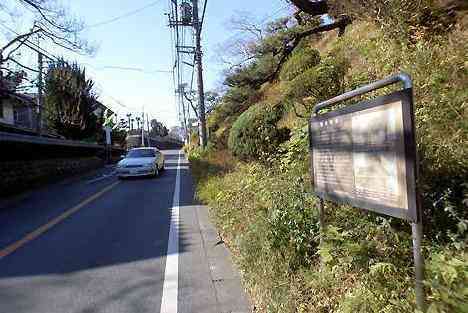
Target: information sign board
(364, 155)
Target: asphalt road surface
(97, 244)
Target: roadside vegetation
(254, 175)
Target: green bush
(254, 74)
(300, 61)
(448, 281)
(318, 83)
(235, 101)
(255, 134)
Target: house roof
(100, 105)
(26, 99)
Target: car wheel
(156, 172)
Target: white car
(141, 162)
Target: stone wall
(17, 176)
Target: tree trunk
(312, 7)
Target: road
(97, 244)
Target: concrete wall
(18, 176)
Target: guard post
(364, 154)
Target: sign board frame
(414, 212)
(408, 154)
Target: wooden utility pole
(143, 129)
(39, 93)
(149, 130)
(198, 60)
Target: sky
(143, 40)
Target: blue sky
(143, 41)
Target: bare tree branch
(40, 9)
(191, 104)
(52, 23)
(19, 38)
(245, 23)
(23, 66)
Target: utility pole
(198, 60)
(39, 94)
(181, 91)
(148, 127)
(143, 129)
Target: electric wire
(125, 15)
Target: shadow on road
(128, 225)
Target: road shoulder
(221, 277)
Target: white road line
(176, 167)
(104, 176)
(171, 273)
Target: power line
(35, 47)
(203, 15)
(128, 14)
(126, 68)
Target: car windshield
(141, 153)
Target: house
(18, 110)
(100, 109)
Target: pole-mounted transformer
(186, 12)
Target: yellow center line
(36, 233)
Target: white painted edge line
(176, 167)
(169, 303)
(102, 177)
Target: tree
(71, 101)
(158, 129)
(119, 135)
(263, 59)
(177, 132)
(10, 82)
(50, 22)
(212, 98)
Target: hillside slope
(260, 195)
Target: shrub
(220, 120)
(254, 74)
(255, 134)
(318, 83)
(447, 280)
(300, 61)
(440, 78)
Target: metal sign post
(108, 132)
(365, 155)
